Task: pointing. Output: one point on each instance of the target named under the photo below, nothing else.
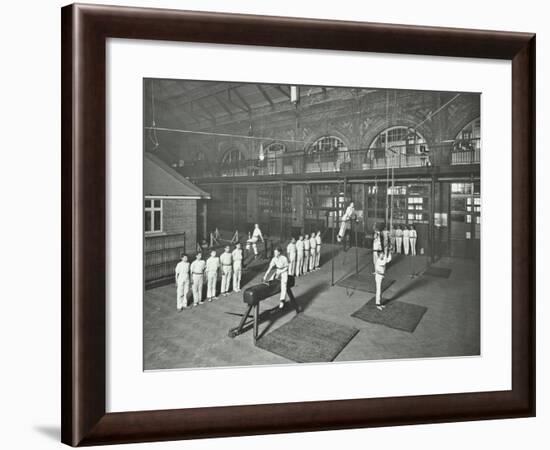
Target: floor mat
(307, 339)
(398, 315)
(441, 272)
(364, 281)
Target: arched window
(273, 153)
(398, 146)
(275, 148)
(231, 157)
(327, 144)
(467, 144)
(233, 163)
(326, 154)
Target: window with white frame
(153, 215)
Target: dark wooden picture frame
(85, 30)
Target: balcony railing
(459, 152)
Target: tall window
(402, 140)
(327, 144)
(232, 157)
(467, 144)
(153, 216)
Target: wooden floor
(198, 337)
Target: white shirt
(406, 233)
(212, 264)
(291, 249)
(349, 212)
(413, 233)
(300, 246)
(318, 239)
(380, 264)
(182, 271)
(197, 267)
(257, 233)
(226, 259)
(306, 244)
(237, 255)
(280, 263)
(312, 242)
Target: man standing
(313, 252)
(376, 244)
(226, 261)
(307, 251)
(398, 239)
(256, 236)
(385, 237)
(413, 240)
(379, 272)
(237, 267)
(300, 256)
(318, 250)
(280, 263)
(291, 253)
(197, 277)
(406, 239)
(212, 267)
(350, 211)
(182, 282)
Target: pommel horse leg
(293, 301)
(236, 331)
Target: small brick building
(175, 212)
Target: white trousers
(312, 258)
(318, 256)
(342, 231)
(413, 246)
(306, 261)
(399, 241)
(283, 276)
(253, 241)
(198, 281)
(378, 279)
(181, 293)
(406, 245)
(291, 263)
(211, 278)
(237, 271)
(299, 263)
(226, 278)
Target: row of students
(304, 254)
(192, 275)
(401, 239)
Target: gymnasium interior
(220, 157)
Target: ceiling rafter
(265, 95)
(280, 89)
(223, 105)
(241, 98)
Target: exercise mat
(398, 315)
(308, 339)
(441, 272)
(364, 281)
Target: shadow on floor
(50, 431)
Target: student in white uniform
(226, 261)
(280, 263)
(318, 251)
(256, 236)
(406, 239)
(291, 254)
(237, 256)
(312, 252)
(300, 256)
(376, 244)
(182, 282)
(350, 211)
(212, 267)
(197, 278)
(398, 239)
(307, 252)
(384, 257)
(412, 238)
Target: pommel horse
(254, 295)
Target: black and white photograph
(308, 224)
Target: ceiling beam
(265, 95)
(241, 98)
(230, 100)
(223, 105)
(205, 110)
(280, 89)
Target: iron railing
(414, 155)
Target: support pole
(281, 212)
(356, 249)
(332, 251)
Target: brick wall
(181, 216)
